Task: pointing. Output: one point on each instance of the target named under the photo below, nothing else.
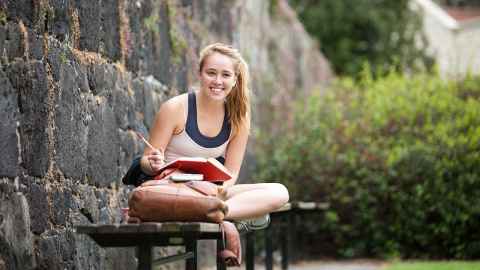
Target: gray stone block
(58, 55)
(153, 97)
(88, 254)
(56, 250)
(110, 30)
(71, 120)
(3, 36)
(82, 77)
(59, 25)
(14, 42)
(91, 28)
(39, 210)
(149, 94)
(62, 203)
(106, 215)
(16, 241)
(138, 87)
(9, 115)
(49, 256)
(7, 257)
(21, 10)
(30, 81)
(157, 47)
(130, 148)
(121, 259)
(103, 145)
(85, 205)
(101, 77)
(135, 35)
(35, 45)
(123, 104)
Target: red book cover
(211, 168)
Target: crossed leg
(254, 200)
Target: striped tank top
(191, 143)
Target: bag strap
(205, 188)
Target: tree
(383, 32)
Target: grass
(445, 265)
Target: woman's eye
(211, 73)
(227, 75)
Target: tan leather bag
(164, 200)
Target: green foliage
(382, 32)
(177, 41)
(151, 22)
(397, 158)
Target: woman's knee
(281, 192)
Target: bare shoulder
(174, 104)
(172, 112)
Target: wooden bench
(145, 236)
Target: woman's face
(217, 76)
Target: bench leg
(292, 234)
(284, 243)
(220, 263)
(191, 246)
(250, 251)
(144, 257)
(268, 249)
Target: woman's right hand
(153, 162)
(156, 159)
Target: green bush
(397, 158)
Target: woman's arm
(168, 121)
(235, 152)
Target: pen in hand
(155, 150)
(140, 136)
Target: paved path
(329, 265)
(326, 265)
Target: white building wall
(467, 47)
(455, 46)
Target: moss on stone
(3, 17)
(151, 22)
(44, 14)
(177, 41)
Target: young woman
(214, 122)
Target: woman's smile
(217, 90)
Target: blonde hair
(238, 101)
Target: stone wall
(77, 77)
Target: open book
(211, 168)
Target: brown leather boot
(232, 254)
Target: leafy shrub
(397, 158)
